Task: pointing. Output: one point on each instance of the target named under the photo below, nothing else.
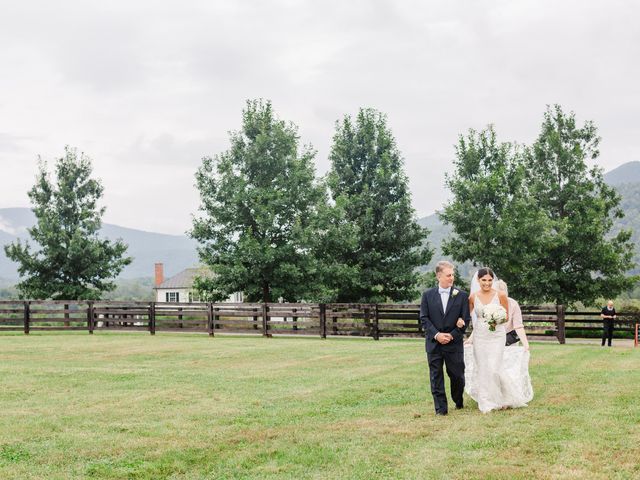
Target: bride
(496, 377)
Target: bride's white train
(509, 385)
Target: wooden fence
(324, 319)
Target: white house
(179, 288)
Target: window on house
(173, 297)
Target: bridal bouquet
(494, 315)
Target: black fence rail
(14, 316)
(293, 318)
(119, 315)
(268, 319)
(544, 322)
(180, 316)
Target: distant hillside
(439, 232)
(630, 193)
(626, 173)
(177, 252)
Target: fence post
(27, 317)
(376, 326)
(367, 320)
(323, 320)
(334, 321)
(265, 320)
(90, 316)
(635, 341)
(66, 315)
(152, 318)
(210, 325)
(216, 317)
(560, 310)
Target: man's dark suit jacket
(435, 319)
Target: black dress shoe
(441, 413)
(459, 407)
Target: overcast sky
(148, 88)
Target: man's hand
(444, 338)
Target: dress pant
(454, 363)
(607, 331)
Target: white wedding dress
(495, 376)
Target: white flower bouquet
(494, 314)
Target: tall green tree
(263, 214)
(582, 260)
(494, 218)
(539, 216)
(368, 182)
(69, 260)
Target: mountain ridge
(626, 173)
(176, 252)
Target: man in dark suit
(440, 310)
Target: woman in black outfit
(608, 316)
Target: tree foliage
(263, 214)
(492, 214)
(539, 216)
(581, 261)
(69, 261)
(368, 184)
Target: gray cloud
(13, 143)
(147, 88)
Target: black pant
(454, 361)
(607, 331)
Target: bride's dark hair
(485, 271)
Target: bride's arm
(469, 340)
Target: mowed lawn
(188, 406)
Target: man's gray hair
(501, 285)
(442, 264)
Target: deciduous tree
(262, 213)
(540, 216)
(367, 180)
(493, 217)
(69, 260)
(581, 260)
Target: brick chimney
(159, 274)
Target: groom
(440, 309)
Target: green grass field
(134, 406)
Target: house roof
(185, 278)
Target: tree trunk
(266, 294)
(560, 311)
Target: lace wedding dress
(495, 376)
